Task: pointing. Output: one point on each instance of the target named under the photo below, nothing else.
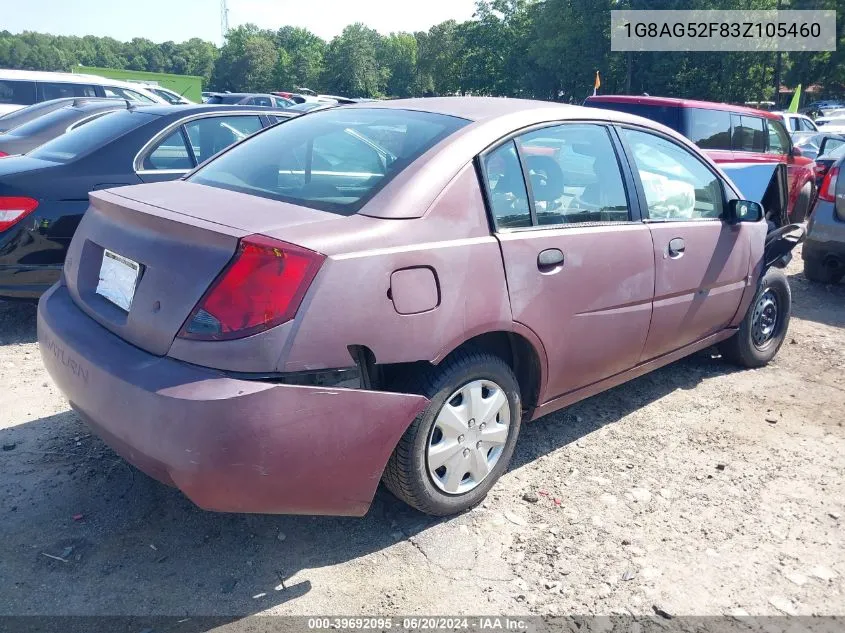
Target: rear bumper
(825, 234)
(230, 445)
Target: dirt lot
(700, 489)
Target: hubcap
(468, 437)
(765, 320)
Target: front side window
(506, 187)
(214, 134)
(709, 129)
(333, 160)
(17, 92)
(171, 153)
(677, 185)
(808, 126)
(60, 90)
(778, 138)
(263, 102)
(749, 134)
(574, 175)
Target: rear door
(579, 263)
(701, 262)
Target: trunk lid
(182, 235)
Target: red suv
(728, 134)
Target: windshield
(89, 137)
(333, 160)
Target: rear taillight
(2, 154)
(13, 209)
(827, 191)
(260, 288)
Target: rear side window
(677, 185)
(506, 187)
(333, 160)
(214, 134)
(749, 134)
(263, 102)
(17, 92)
(709, 129)
(794, 123)
(171, 153)
(60, 90)
(89, 137)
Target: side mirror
(743, 211)
(796, 152)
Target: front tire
(459, 446)
(764, 327)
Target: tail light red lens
(2, 154)
(827, 191)
(13, 209)
(260, 288)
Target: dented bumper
(229, 444)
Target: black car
(44, 194)
(248, 98)
(24, 115)
(45, 128)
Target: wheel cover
(764, 323)
(468, 437)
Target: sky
(180, 20)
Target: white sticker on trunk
(118, 278)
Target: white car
(797, 122)
(171, 96)
(19, 88)
(832, 124)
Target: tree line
(546, 49)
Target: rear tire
(816, 270)
(764, 327)
(472, 393)
(802, 204)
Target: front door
(701, 262)
(579, 263)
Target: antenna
(224, 18)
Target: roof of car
(681, 103)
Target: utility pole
(224, 19)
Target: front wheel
(763, 329)
(456, 449)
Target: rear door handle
(676, 248)
(549, 259)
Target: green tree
(351, 64)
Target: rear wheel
(802, 204)
(818, 271)
(763, 329)
(457, 448)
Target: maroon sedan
(384, 292)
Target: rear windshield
(47, 121)
(89, 137)
(670, 116)
(334, 160)
(17, 92)
(226, 99)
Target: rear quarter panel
(349, 304)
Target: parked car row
(20, 88)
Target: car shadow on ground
(17, 322)
(822, 303)
(76, 516)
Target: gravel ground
(699, 489)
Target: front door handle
(676, 248)
(549, 259)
